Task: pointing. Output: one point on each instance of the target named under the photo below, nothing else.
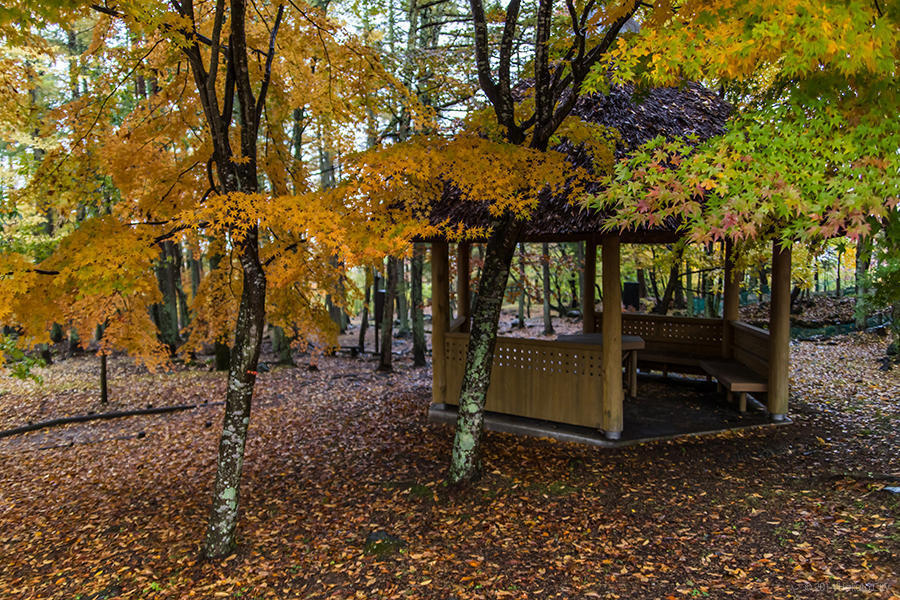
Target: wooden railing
(539, 379)
(687, 336)
(750, 346)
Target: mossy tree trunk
(465, 457)
(240, 99)
(553, 102)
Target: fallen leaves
(337, 454)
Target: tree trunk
(522, 287)
(894, 330)
(680, 301)
(688, 288)
(281, 346)
(104, 390)
(863, 262)
(184, 318)
(662, 306)
(545, 279)
(465, 460)
(653, 284)
(418, 318)
(220, 534)
(402, 305)
(837, 278)
(166, 312)
(221, 351)
(579, 263)
(195, 269)
(364, 318)
(386, 361)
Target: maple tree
(800, 46)
(206, 159)
(811, 153)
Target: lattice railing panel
(535, 378)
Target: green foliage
(16, 362)
(791, 171)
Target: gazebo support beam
(463, 294)
(731, 296)
(440, 318)
(587, 290)
(779, 332)
(611, 356)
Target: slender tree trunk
(662, 306)
(364, 318)
(894, 330)
(184, 318)
(104, 390)
(418, 304)
(166, 312)
(402, 304)
(386, 362)
(837, 278)
(688, 288)
(863, 262)
(642, 283)
(220, 349)
(679, 293)
(579, 259)
(195, 270)
(522, 287)
(545, 281)
(281, 346)
(220, 535)
(465, 457)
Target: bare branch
(267, 76)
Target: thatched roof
(670, 112)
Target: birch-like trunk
(465, 458)
(220, 534)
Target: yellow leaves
(735, 39)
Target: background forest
(238, 186)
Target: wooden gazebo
(581, 382)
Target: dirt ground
(117, 509)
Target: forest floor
(117, 509)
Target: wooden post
(463, 295)
(440, 318)
(611, 356)
(731, 296)
(779, 332)
(587, 288)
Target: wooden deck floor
(664, 409)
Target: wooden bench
(736, 379)
(748, 370)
